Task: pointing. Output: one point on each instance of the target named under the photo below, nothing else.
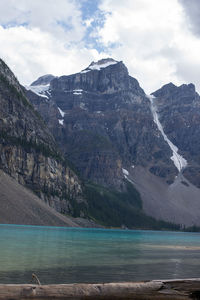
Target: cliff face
(28, 151)
(102, 121)
(179, 111)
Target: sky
(158, 40)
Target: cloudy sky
(158, 40)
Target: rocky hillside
(28, 151)
(18, 205)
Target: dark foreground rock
(151, 290)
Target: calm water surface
(65, 255)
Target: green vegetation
(75, 209)
(193, 228)
(115, 209)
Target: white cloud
(55, 17)
(153, 40)
(31, 53)
(51, 41)
(192, 11)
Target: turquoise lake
(66, 255)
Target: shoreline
(175, 289)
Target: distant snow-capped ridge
(40, 90)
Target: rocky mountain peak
(43, 80)
(165, 90)
(184, 93)
(108, 64)
(106, 76)
(102, 63)
(188, 88)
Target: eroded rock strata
(28, 151)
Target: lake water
(66, 255)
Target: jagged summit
(43, 80)
(189, 87)
(165, 89)
(100, 64)
(170, 89)
(103, 63)
(41, 86)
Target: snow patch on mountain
(82, 106)
(39, 90)
(85, 71)
(125, 172)
(179, 162)
(103, 63)
(61, 121)
(77, 92)
(61, 112)
(98, 67)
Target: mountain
(93, 147)
(113, 135)
(176, 112)
(38, 185)
(100, 118)
(28, 153)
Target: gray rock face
(105, 124)
(179, 110)
(28, 151)
(43, 80)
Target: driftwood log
(150, 290)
